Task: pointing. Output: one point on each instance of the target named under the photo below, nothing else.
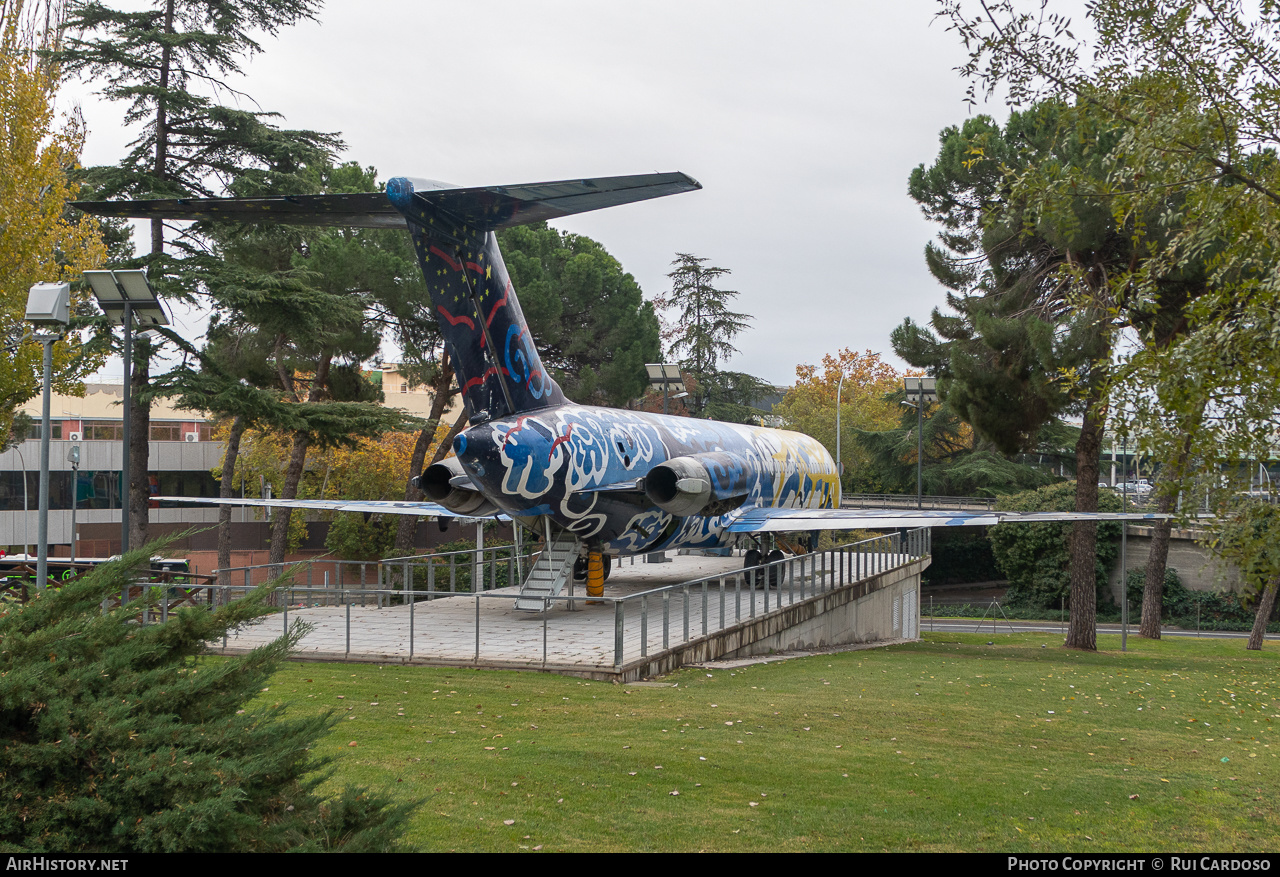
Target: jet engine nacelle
(447, 484)
(713, 483)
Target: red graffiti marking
(559, 441)
(515, 429)
(506, 293)
(453, 321)
(474, 267)
(452, 262)
(475, 382)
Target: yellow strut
(595, 574)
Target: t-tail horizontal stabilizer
(485, 208)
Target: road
(1001, 625)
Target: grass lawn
(946, 744)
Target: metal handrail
(907, 500)
(723, 599)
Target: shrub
(1212, 610)
(355, 536)
(961, 555)
(118, 738)
(1035, 558)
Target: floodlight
(922, 390)
(667, 376)
(126, 297)
(664, 373)
(926, 388)
(117, 291)
(49, 304)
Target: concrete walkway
(444, 630)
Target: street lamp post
(49, 308)
(26, 506)
(1124, 552)
(924, 390)
(73, 457)
(126, 297)
(839, 465)
(666, 375)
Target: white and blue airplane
(608, 482)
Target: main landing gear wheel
(751, 558)
(775, 572)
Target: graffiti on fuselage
(555, 462)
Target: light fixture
(126, 297)
(48, 308)
(667, 376)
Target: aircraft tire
(751, 558)
(775, 572)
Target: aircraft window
(622, 452)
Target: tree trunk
(1265, 605)
(1157, 561)
(139, 414)
(409, 523)
(226, 491)
(293, 475)
(1082, 630)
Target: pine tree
(593, 328)
(119, 739)
(1033, 333)
(316, 300)
(701, 334)
(228, 379)
(159, 59)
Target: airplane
(604, 482)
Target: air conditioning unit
(75, 437)
(191, 437)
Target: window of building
(103, 431)
(55, 430)
(166, 432)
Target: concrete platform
(577, 637)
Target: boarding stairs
(549, 574)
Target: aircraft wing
(371, 507)
(485, 208)
(767, 520)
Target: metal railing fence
(449, 572)
(908, 501)
(644, 623)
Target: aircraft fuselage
(585, 468)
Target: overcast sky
(802, 122)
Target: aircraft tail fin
(498, 367)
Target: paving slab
(576, 633)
